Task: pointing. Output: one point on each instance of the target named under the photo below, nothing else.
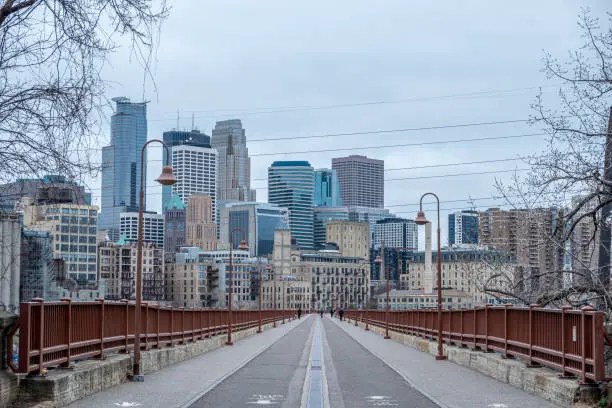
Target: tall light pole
(243, 246)
(421, 220)
(386, 269)
(165, 179)
(269, 268)
(355, 295)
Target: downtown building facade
(50, 189)
(396, 233)
(174, 224)
(121, 164)
(117, 268)
(234, 164)
(326, 188)
(362, 181)
(152, 228)
(323, 215)
(201, 229)
(463, 228)
(291, 185)
(255, 222)
(10, 259)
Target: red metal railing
(56, 333)
(571, 341)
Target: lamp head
(166, 178)
(243, 245)
(378, 260)
(420, 218)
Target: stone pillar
(8, 380)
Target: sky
(294, 69)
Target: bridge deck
(278, 367)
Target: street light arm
(142, 152)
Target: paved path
(277, 368)
(446, 383)
(181, 384)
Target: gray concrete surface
(444, 382)
(357, 378)
(181, 384)
(275, 377)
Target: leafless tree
(575, 172)
(51, 90)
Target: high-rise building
(396, 233)
(257, 220)
(352, 238)
(362, 181)
(10, 259)
(37, 267)
(152, 227)
(527, 234)
(195, 169)
(121, 162)
(201, 230)
(463, 228)
(234, 169)
(181, 137)
(291, 185)
(327, 188)
(50, 189)
(174, 228)
(74, 230)
(322, 215)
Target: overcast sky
(258, 60)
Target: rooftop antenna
(471, 202)
(177, 119)
(192, 121)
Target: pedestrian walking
(341, 313)
(331, 312)
(299, 312)
(321, 312)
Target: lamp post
(269, 268)
(355, 296)
(384, 264)
(367, 327)
(421, 220)
(165, 179)
(242, 246)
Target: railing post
(598, 346)
(506, 306)
(564, 374)
(172, 327)
(532, 308)
(183, 324)
(474, 313)
(158, 312)
(68, 336)
(486, 349)
(101, 301)
(146, 325)
(127, 325)
(583, 344)
(41, 337)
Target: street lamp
(421, 220)
(165, 179)
(355, 295)
(243, 246)
(260, 290)
(269, 268)
(379, 261)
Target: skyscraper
(121, 163)
(327, 188)
(174, 224)
(200, 226)
(195, 169)
(291, 185)
(396, 233)
(322, 215)
(234, 174)
(463, 228)
(180, 137)
(362, 181)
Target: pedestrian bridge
(319, 362)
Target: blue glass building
(291, 185)
(327, 188)
(463, 228)
(121, 163)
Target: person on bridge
(331, 312)
(321, 312)
(299, 312)
(341, 313)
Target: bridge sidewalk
(446, 383)
(181, 384)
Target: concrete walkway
(445, 383)
(182, 384)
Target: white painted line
(497, 405)
(127, 404)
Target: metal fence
(571, 341)
(56, 333)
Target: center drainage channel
(315, 390)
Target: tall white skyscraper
(195, 168)
(234, 165)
